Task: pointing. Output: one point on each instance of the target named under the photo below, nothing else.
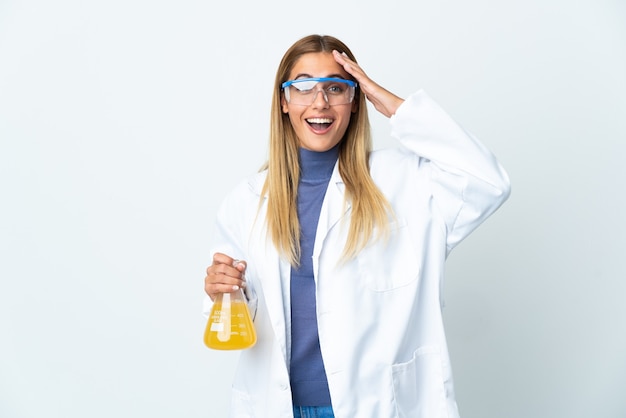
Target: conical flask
(230, 325)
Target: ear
(283, 104)
(355, 106)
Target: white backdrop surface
(124, 123)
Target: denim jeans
(313, 412)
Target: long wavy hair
(370, 208)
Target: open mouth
(320, 124)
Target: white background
(124, 123)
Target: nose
(324, 101)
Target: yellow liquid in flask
(230, 325)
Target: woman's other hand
(225, 275)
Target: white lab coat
(379, 316)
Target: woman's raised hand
(383, 100)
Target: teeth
(319, 120)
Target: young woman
(343, 247)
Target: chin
(318, 146)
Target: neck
(318, 165)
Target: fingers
(225, 275)
(351, 67)
(219, 258)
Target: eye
(335, 89)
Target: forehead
(317, 64)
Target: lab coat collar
(333, 209)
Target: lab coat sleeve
(228, 237)
(468, 183)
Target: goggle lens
(303, 91)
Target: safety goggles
(303, 91)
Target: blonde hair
(370, 208)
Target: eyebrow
(306, 75)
